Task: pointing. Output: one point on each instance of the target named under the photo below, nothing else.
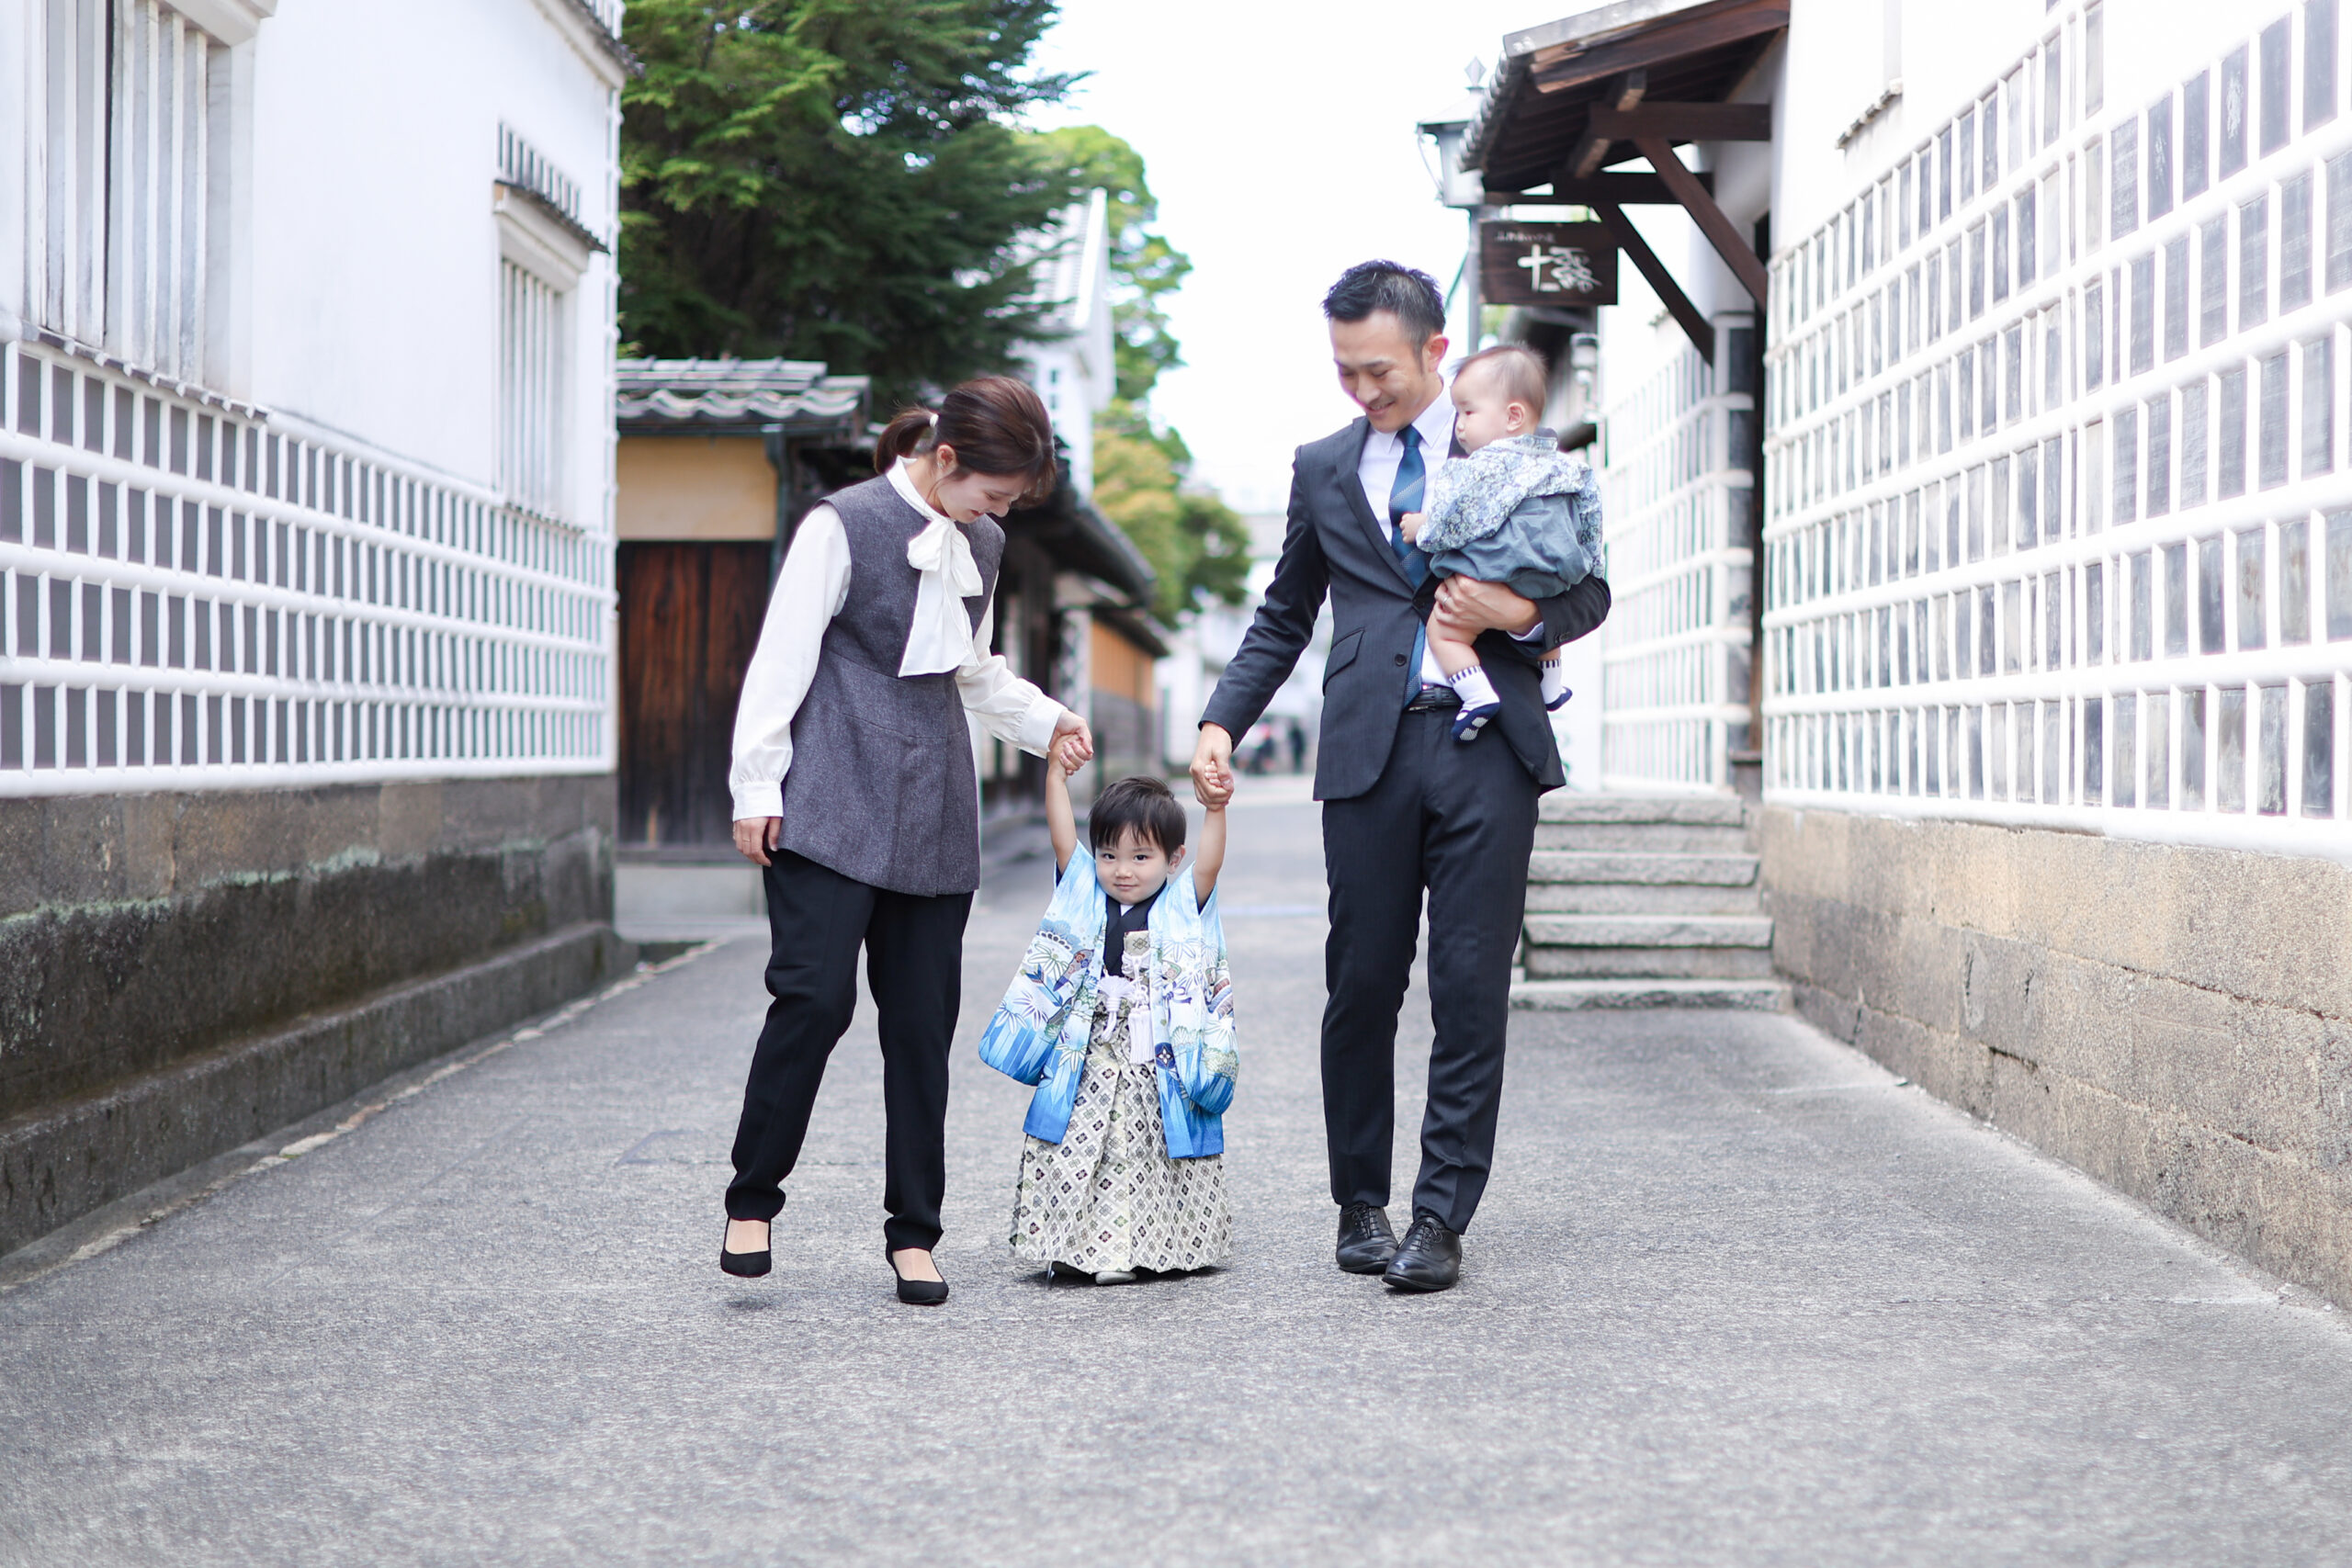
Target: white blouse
(809, 592)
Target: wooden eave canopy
(1540, 106)
(1631, 80)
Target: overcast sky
(1278, 135)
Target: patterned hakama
(1108, 1197)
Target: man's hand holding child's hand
(1213, 767)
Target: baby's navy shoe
(1469, 720)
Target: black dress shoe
(915, 1293)
(743, 1265)
(1430, 1258)
(1366, 1244)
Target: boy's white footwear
(1479, 703)
(1115, 1277)
(1555, 685)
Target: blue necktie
(1404, 496)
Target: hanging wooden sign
(1546, 264)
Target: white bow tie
(941, 637)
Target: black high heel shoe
(914, 1292)
(745, 1265)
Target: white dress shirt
(809, 592)
(1384, 452)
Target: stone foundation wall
(179, 972)
(2177, 1021)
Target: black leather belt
(1434, 699)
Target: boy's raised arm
(1061, 822)
(1210, 858)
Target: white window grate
(2062, 517)
(523, 165)
(129, 171)
(67, 254)
(191, 600)
(164, 155)
(1675, 494)
(530, 392)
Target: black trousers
(1459, 822)
(914, 964)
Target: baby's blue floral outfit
(1518, 511)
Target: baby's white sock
(1473, 687)
(1555, 681)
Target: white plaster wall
(1083, 356)
(374, 256)
(1946, 55)
(1058, 371)
(16, 27)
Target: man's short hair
(1410, 295)
(1142, 802)
(1515, 371)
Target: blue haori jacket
(1039, 1033)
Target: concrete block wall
(180, 973)
(2177, 1021)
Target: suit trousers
(1458, 820)
(914, 964)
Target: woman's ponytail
(996, 426)
(908, 433)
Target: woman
(854, 792)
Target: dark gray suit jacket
(1334, 543)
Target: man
(1406, 807)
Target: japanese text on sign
(1548, 264)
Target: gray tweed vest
(881, 785)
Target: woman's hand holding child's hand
(1067, 755)
(1071, 730)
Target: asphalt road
(1735, 1297)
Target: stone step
(1585, 995)
(1650, 931)
(1647, 963)
(1635, 898)
(1685, 810)
(1646, 837)
(1626, 866)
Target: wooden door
(689, 617)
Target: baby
(1516, 510)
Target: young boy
(1516, 510)
(1123, 1016)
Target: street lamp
(1462, 189)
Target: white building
(364, 329)
(2027, 322)
(1074, 370)
(306, 334)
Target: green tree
(835, 180)
(1196, 544)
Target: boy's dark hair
(1409, 295)
(1143, 803)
